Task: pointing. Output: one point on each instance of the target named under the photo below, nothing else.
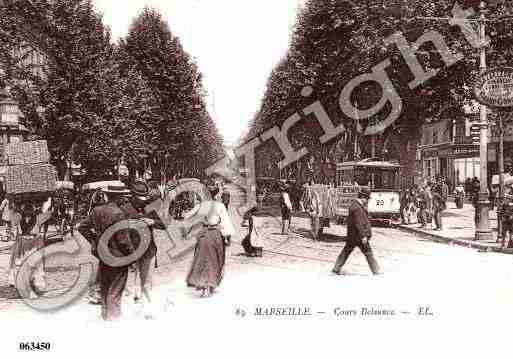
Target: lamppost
(483, 231)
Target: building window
(430, 168)
(467, 168)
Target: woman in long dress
(207, 266)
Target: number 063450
(34, 346)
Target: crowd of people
(111, 205)
(424, 204)
(213, 231)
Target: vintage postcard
(281, 178)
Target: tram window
(362, 177)
(384, 179)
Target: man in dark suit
(112, 279)
(359, 233)
(135, 209)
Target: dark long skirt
(208, 263)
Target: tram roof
(370, 162)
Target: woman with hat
(207, 266)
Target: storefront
(447, 151)
(493, 149)
(455, 162)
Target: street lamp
(483, 231)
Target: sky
(236, 44)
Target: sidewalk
(458, 228)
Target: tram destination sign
(494, 88)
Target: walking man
(135, 209)
(112, 279)
(359, 233)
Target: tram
(382, 177)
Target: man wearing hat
(359, 233)
(112, 279)
(136, 209)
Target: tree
(335, 40)
(187, 134)
(67, 100)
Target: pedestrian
(403, 205)
(94, 295)
(212, 206)
(112, 279)
(475, 200)
(438, 207)
(286, 208)
(208, 263)
(444, 191)
(5, 213)
(506, 216)
(359, 233)
(424, 199)
(18, 248)
(315, 211)
(247, 244)
(410, 210)
(135, 209)
(225, 197)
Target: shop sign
(457, 151)
(494, 88)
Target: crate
(30, 152)
(30, 178)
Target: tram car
(382, 177)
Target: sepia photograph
(280, 178)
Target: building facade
(447, 151)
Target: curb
(454, 241)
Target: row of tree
(334, 41)
(98, 104)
